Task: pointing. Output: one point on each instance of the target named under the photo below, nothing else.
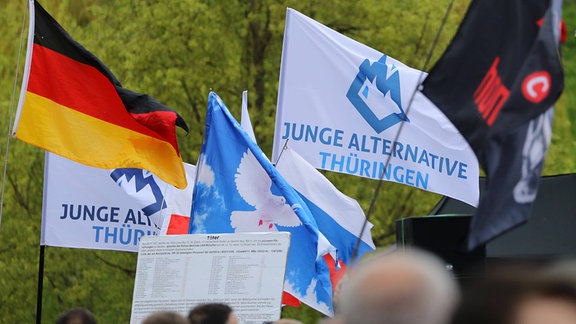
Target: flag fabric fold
(342, 104)
(287, 299)
(497, 82)
(72, 105)
(238, 190)
(245, 117)
(170, 207)
(339, 217)
(513, 167)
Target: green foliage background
(177, 51)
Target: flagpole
(158, 228)
(40, 285)
(380, 180)
(283, 149)
(12, 113)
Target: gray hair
(402, 287)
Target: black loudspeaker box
(445, 237)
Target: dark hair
(212, 313)
(165, 317)
(75, 314)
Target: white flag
(245, 117)
(339, 217)
(84, 207)
(342, 103)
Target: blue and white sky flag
(239, 190)
(339, 217)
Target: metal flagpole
(40, 285)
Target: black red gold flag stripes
(497, 82)
(73, 106)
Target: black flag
(495, 82)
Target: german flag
(73, 106)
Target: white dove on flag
(270, 209)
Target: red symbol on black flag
(490, 86)
(536, 86)
(498, 90)
(491, 95)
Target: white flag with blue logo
(156, 198)
(91, 208)
(238, 190)
(341, 105)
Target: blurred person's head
(564, 269)
(337, 292)
(77, 315)
(286, 321)
(553, 299)
(212, 313)
(546, 308)
(401, 287)
(520, 294)
(165, 318)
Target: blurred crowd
(415, 287)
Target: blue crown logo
(142, 183)
(374, 91)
